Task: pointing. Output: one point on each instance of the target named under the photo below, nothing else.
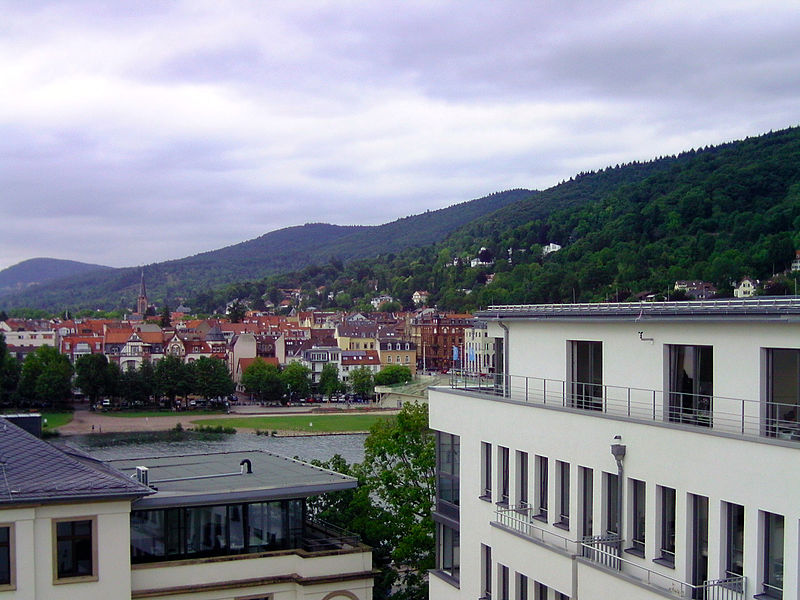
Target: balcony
(520, 519)
(603, 552)
(731, 416)
(321, 536)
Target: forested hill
(717, 214)
(40, 270)
(275, 252)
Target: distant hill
(275, 252)
(37, 271)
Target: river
(108, 446)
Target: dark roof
(219, 478)
(750, 309)
(32, 470)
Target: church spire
(141, 302)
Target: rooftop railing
(736, 416)
(320, 535)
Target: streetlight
(618, 452)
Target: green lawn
(54, 420)
(320, 423)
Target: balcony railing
(604, 551)
(320, 535)
(520, 518)
(737, 416)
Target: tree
(92, 375)
(9, 373)
(263, 380)
(296, 379)
(398, 470)
(212, 378)
(166, 320)
(392, 306)
(329, 382)
(46, 377)
(237, 311)
(392, 374)
(172, 378)
(361, 382)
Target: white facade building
(704, 397)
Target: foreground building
(624, 451)
(220, 527)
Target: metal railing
(604, 551)
(520, 518)
(737, 416)
(321, 535)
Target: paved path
(85, 421)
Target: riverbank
(249, 418)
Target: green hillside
(275, 252)
(717, 214)
(41, 270)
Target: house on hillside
(747, 288)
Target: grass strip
(309, 423)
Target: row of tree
(47, 379)
(269, 384)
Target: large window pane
(783, 391)
(587, 374)
(691, 384)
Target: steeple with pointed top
(141, 302)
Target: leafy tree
(392, 306)
(166, 320)
(361, 382)
(263, 380)
(172, 378)
(9, 373)
(398, 471)
(296, 380)
(392, 374)
(92, 376)
(237, 311)
(329, 382)
(212, 378)
(46, 377)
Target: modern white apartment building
(624, 451)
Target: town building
(215, 526)
(439, 338)
(626, 451)
(397, 351)
(747, 288)
(478, 349)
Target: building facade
(624, 451)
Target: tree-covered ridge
(275, 252)
(39, 270)
(716, 214)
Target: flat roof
(782, 309)
(223, 478)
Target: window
(540, 591)
(612, 503)
(503, 468)
(783, 393)
(773, 555)
(691, 384)
(448, 550)
(447, 470)
(522, 479)
(486, 470)
(502, 582)
(7, 557)
(521, 587)
(637, 516)
(541, 488)
(587, 492)
(699, 541)
(586, 382)
(389, 359)
(486, 571)
(734, 539)
(666, 497)
(75, 549)
(563, 494)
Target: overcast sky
(136, 132)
